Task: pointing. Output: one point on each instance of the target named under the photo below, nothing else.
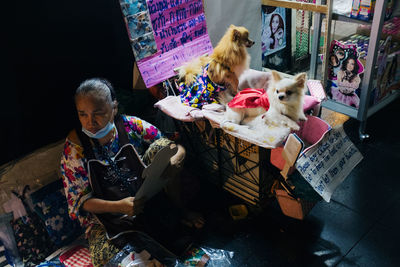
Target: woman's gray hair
(98, 87)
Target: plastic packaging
(143, 251)
(7, 237)
(206, 256)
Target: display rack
(365, 110)
(321, 11)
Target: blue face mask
(100, 133)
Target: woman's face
(93, 112)
(350, 65)
(274, 23)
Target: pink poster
(180, 33)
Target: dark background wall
(53, 46)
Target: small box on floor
(292, 207)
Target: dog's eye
(289, 92)
(277, 91)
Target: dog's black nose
(249, 43)
(281, 97)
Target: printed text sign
(180, 32)
(326, 165)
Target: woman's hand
(131, 206)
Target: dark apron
(130, 164)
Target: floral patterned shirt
(75, 177)
(202, 91)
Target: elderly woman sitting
(102, 170)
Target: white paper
(326, 165)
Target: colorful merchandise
(363, 9)
(344, 73)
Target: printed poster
(388, 73)
(344, 77)
(139, 28)
(273, 35)
(165, 35)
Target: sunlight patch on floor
(333, 118)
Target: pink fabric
(309, 102)
(316, 89)
(172, 106)
(311, 132)
(350, 99)
(250, 98)
(253, 98)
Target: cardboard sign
(326, 165)
(290, 152)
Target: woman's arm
(129, 206)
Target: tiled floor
(359, 227)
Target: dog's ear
(236, 35)
(276, 76)
(300, 79)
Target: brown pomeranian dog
(223, 68)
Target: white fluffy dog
(286, 101)
(280, 106)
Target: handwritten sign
(180, 32)
(325, 166)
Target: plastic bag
(142, 251)
(206, 256)
(8, 239)
(33, 241)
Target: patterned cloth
(101, 249)
(76, 257)
(51, 204)
(154, 148)
(75, 178)
(33, 241)
(202, 91)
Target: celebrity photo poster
(273, 35)
(139, 27)
(345, 71)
